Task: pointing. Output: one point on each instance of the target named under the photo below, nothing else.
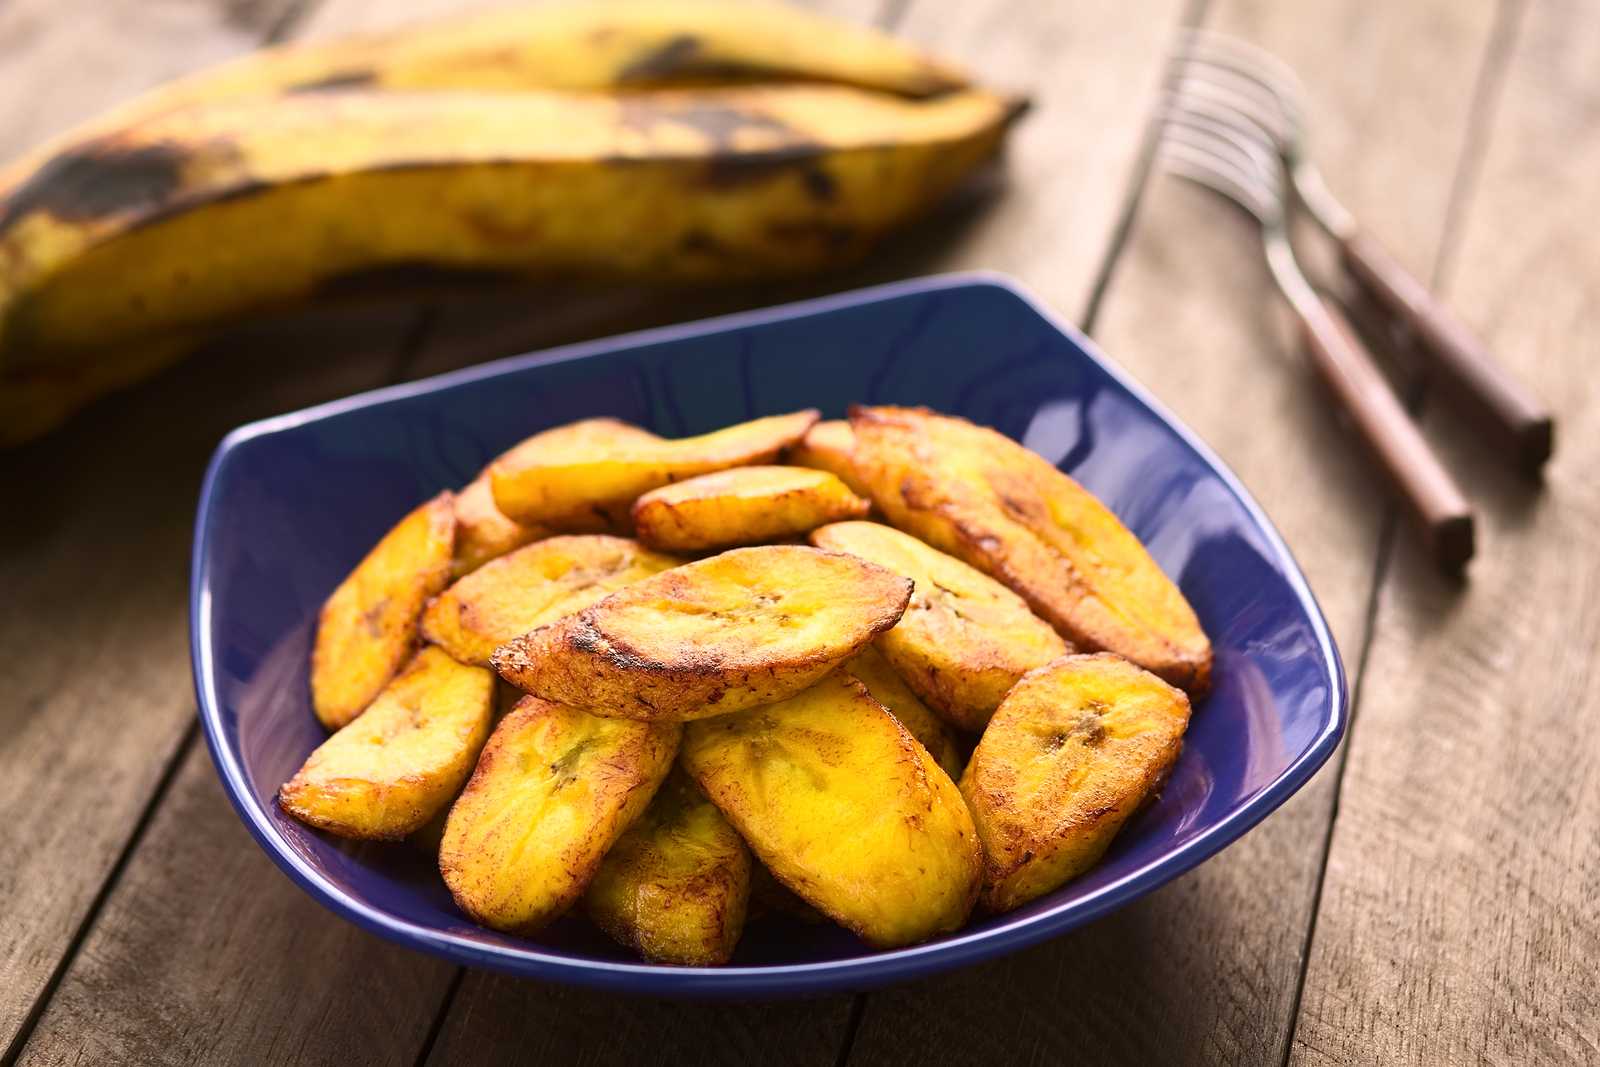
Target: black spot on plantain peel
(671, 60)
(339, 79)
(98, 180)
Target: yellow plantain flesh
(368, 626)
(391, 771)
(533, 586)
(965, 639)
(887, 687)
(846, 809)
(985, 499)
(742, 506)
(1075, 749)
(554, 789)
(747, 627)
(576, 483)
(675, 886)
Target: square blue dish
(290, 504)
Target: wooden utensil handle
(1435, 502)
(1500, 404)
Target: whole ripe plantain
(624, 45)
(685, 141)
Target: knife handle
(1498, 403)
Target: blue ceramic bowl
(290, 504)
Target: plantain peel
(633, 45)
(139, 231)
(985, 499)
(573, 482)
(845, 807)
(368, 627)
(676, 885)
(1075, 749)
(747, 627)
(965, 639)
(742, 506)
(553, 791)
(534, 585)
(388, 773)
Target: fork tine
(1174, 105)
(1205, 171)
(1221, 166)
(1258, 159)
(1247, 61)
(1222, 88)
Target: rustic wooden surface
(1433, 896)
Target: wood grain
(1461, 913)
(313, 980)
(93, 642)
(1205, 970)
(1458, 920)
(496, 1019)
(92, 572)
(207, 954)
(102, 565)
(70, 59)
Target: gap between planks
(1487, 89)
(412, 342)
(1192, 15)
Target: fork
(1257, 95)
(1248, 171)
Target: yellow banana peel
(547, 143)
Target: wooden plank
(1053, 221)
(70, 59)
(1092, 71)
(311, 977)
(1459, 920)
(1205, 970)
(496, 1019)
(226, 962)
(92, 644)
(116, 497)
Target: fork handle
(1498, 403)
(1430, 494)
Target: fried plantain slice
(770, 897)
(747, 627)
(389, 772)
(368, 627)
(889, 689)
(985, 499)
(742, 506)
(965, 639)
(830, 446)
(846, 809)
(483, 533)
(534, 585)
(554, 789)
(1075, 749)
(675, 886)
(573, 484)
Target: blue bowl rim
(852, 973)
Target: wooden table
(1432, 897)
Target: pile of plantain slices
(953, 696)
(679, 141)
